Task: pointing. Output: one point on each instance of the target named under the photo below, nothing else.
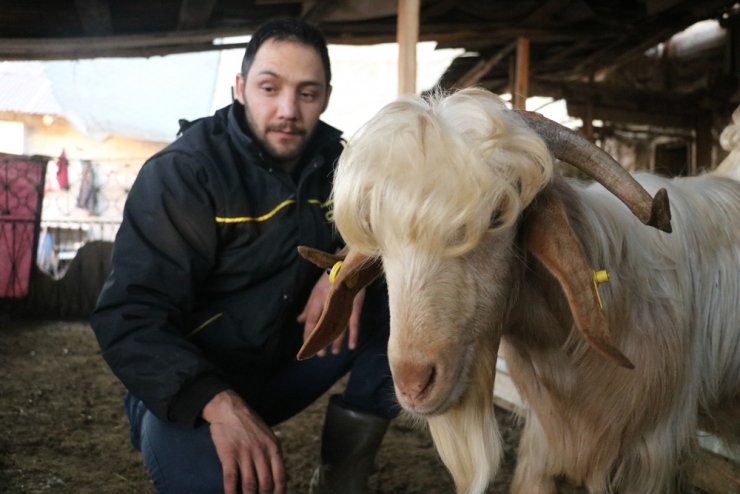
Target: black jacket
(206, 277)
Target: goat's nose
(414, 380)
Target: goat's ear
(322, 259)
(547, 234)
(349, 276)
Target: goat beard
(467, 436)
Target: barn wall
(48, 135)
(74, 295)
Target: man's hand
(315, 305)
(249, 451)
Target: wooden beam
(320, 10)
(651, 32)
(408, 36)
(617, 114)
(122, 45)
(95, 17)
(472, 31)
(521, 78)
(194, 14)
(608, 63)
(483, 67)
(199, 39)
(685, 108)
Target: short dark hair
(288, 29)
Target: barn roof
(592, 52)
(25, 89)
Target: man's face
(284, 94)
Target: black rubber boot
(349, 442)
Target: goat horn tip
(618, 357)
(626, 363)
(660, 212)
(305, 354)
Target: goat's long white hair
(432, 171)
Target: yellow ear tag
(334, 271)
(599, 277)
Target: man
(208, 301)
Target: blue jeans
(183, 459)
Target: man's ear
(240, 83)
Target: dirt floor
(64, 431)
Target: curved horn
(569, 146)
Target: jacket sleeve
(164, 249)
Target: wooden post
(521, 77)
(702, 155)
(407, 35)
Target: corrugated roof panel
(24, 88)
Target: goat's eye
(496, 219)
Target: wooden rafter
(483, 67)
(115, 46)
(651, 115)
(614, 55)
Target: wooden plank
(408, 36)
(616, 114)
(652, 31)
(161, 43)
(194, 14)
(95, 17)
(483, 67)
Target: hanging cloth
(63, 171)
(88, 196)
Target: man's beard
(281, 156)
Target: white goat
(480, 245)
(729, 139)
